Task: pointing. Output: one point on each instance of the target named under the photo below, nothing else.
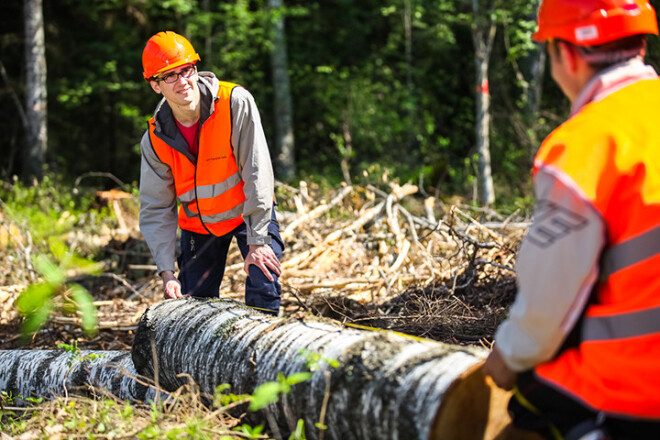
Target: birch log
(50, 373)
(388, 386)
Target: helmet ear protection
(164, 51)
(594, 22)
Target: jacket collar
(611, 80)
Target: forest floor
(386, 258)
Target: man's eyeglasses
(173, 77)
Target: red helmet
(594, 22)
(164, 51)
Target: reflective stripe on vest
(630, 252)
(210, 191)
(216, 218)
(626, 325)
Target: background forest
(372, 85)
(450, 95)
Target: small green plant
(75, 356)
(299, 433)
(38, 301)
(250, 431)
(220, 399)
(316, 361)
(269, 392)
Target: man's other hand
(502, 375)
(171, 285)
(264, 258)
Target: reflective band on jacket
(227, 215)
(210, 191)
(626, 325)
(630, 252)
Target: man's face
(178, 85)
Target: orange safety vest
(610, 154)
(210, 192)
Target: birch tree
(484, 26)
(35, 95)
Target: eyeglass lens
(174, 77)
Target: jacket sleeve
(557, 268)
(254, 164)
(158, 218)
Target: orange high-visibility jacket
(610, 151)
(210, 192)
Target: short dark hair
(606, 55)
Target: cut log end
(474, 407)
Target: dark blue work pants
(541, 408)
(204, 257)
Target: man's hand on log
(171, 285)
(264, 258)
(503, 376)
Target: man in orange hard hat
(205, 148)
(581, 345)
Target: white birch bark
(483, 34)
(387, 385)
(47, 374)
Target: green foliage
(396, 76)
(51, 208)
(38, 301)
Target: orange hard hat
(164, 51)
(594, 22)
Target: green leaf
(249, 430)
(58, 248)
(298, 377)
(50, 271)
(34, 298)
(299, 433)
(84, 303)
(35, 320)
(264, 395)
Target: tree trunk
(535, 63)
(46, 373)
(387, 385)
(483, 34)
(36, 96)
(284, 138)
